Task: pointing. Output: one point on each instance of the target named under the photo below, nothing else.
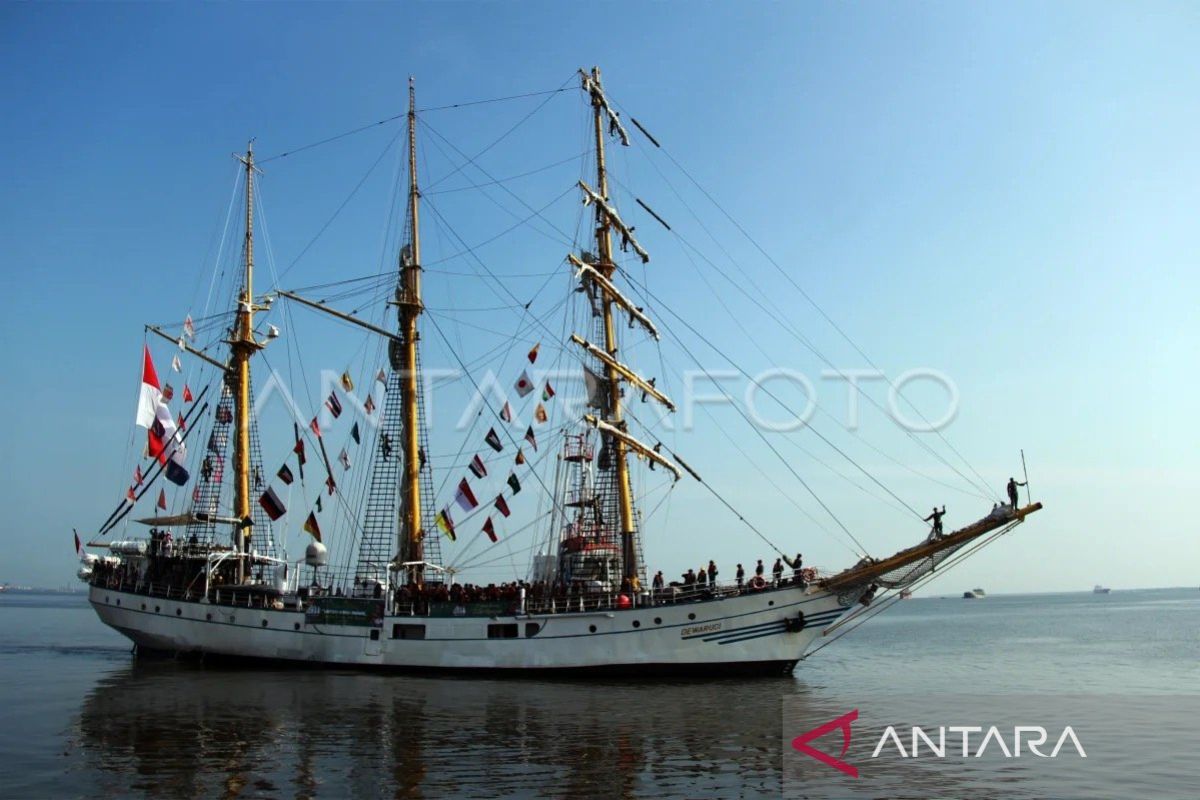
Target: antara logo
(1032, 736)
(843, 722)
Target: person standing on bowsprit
(936, 518)
(1013, 499)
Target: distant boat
(1098, 589)
(974, 594)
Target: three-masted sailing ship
(214, 578)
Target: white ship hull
(765, 631)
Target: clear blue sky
(1006, 192)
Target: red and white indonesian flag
(163, 440)
(151, 394)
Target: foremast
(599, 275)
(410, 308)
(243, 346)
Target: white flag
(523, 385)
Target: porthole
(658, 620)
(771, 603)
(691, 616)
(637, 623)
(179, 612)
(264, 623)
(118, 601)
(106, 599)
(157, 609)
(208, 617)
(591, 628)
(296, 626)
(143, 606)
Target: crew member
(1013, 483)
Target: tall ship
(385, 521)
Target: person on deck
(777, 571)
(758, 569)
(701, 576)
(741, 576)
(797, 565)
(1013, 498)
(657, 583)
(689, 578)
(712, 574)
(936, 519)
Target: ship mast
(243, 346)
(410, 308)
(606, 266)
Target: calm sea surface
(80, 717)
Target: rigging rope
(796, 285)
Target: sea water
(81, 716)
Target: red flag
(137, 475)
(315, 427)
(180, 424)
(489, 530)
(187, 394)
(369, 405)
(330, 485)
(464, 496)
(299, 451)
(506, 412)
(162, 499)
(168, 393)
(502, 505)
(130, 495)
(533, 354)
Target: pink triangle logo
(800, 743)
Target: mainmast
(606, 266)
(243, 346)
(410, 308)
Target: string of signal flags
(464, 496)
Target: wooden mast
(243, 346)
(410, 308)
(606, 266)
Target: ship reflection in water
(168, 729)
